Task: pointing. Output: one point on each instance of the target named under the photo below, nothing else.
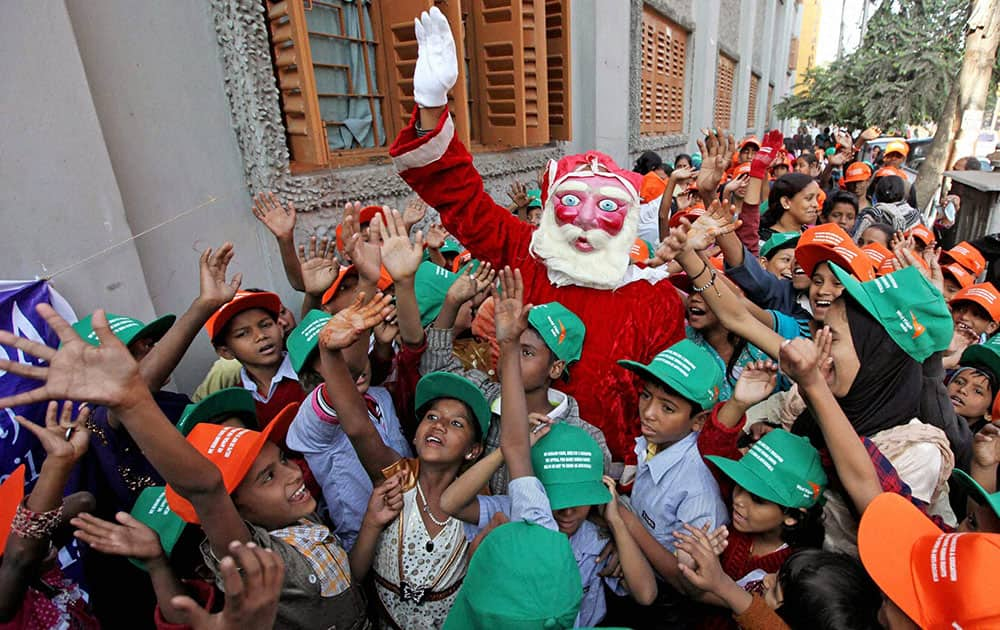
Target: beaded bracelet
(36, 525)
(711, 284)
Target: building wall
(808, 34)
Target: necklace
(427, 508)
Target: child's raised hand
(824, 344)
(986, 446)
(215, 291)
(366, 255)
(319, 265)
(740, 181)
(756, 382)
(610, 509)
(539, 426)
(705, 572)
(470, 284)
(400, 257)
(414, 213)
(716, 150)
(799, 359)
(518, 195)
(386, 501)
(435, 236)
(63, 439)
(251, 578)
(128, 537)
(385, 332)
(104, 375)
(510, 313)
(348, 325)
(280, 220)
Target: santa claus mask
(589, 221)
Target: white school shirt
(284, 371)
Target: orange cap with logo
(242, 301)
(829, 242)
(967, 256)
(232, 450)
(897, 146)
(641, 252)
(886, 171)
(857, 172)
(941, 581)
(691, 214)
(878, 252)
(983, 294)
(959, 273)
(921, 233)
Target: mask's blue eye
(607, 205)
(570, 200)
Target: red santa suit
(636, 320)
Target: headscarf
(887, 390)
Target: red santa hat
(585, 165)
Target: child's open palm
(215, 290)
(435, 236)
(128, 537)
(986, 446)
(280, 220)
(366, 255)
(104, 375)
(351, 323)
(63, 439)
(756, 382)
(716, 150)
(319, 266)
(511, 313)
(400, 256)
(470, 283)
(414, 212)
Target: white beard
(602, 268)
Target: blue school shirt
(316, 433)
(528, 501)
(673, 488)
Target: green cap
(128, 329)
(908, 306)
(570, 465)
(780, 467)
(522, 576)
(976, 492)
(534, 197)
(304, 338)
(984, 355)
(447, 385)
(560, 329)
(217, 407)
(779, 240)
(686, 368)
(431, 283)
(830, 150)
(451, 246)
(152, 510)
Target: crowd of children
(820, 449)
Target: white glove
(437, 64)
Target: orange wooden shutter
(664, 49)
(536, 87)
(793, 54)
(725, 73)
(752, 105)
(296, 83)
(400, 59)
(559, 69)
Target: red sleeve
(439, 169)
(716, 439)
(750, 215)
(201, 592)
(404, 386)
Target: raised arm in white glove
(437, 63)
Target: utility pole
(864, 19)
(840, 36)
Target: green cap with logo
(976, 492)
(984, 356)
(448, 385)
(780, 467)
(218, 407)
(151, 509)
(128, 329)
(686, 368)
(451, 246)
(534, 195)
(570, 465)
(431, 284)
(779, 241)
(304, 338)
(908, 306)
(522, 576)
(560, 329)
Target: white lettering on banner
(24, 328)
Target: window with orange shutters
(752, 103)
(664, 53)
(344, 70)
(770, 101)
(724, 76)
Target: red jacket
(635, 321)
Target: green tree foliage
(899, 75)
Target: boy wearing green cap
(551, 342)
(973, 387)
(777, 255)
(979, 485)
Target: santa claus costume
(577, 256)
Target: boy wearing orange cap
(246, 329)
(966, 255)
(895, 153)
(976, 311)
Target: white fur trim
(428, 152)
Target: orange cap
(821, 198)
(995, 412)
(384, 279)
(463, 257)
(243, 300)
(983, 294)
(857, 172)
(749, 140)
(885, 171)
(691, 214)
(939, 580)
(652, 187)
(332, 291)
(887, 266)
(897, 146)
(718, 262)
(366, 214)
(232, 450)
(922, 234)
(878, 252)
(741, 169)
(829, 242)
(11, 494)
(641, 252)
(960, 274)
(967, 256)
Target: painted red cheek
(611, 222)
